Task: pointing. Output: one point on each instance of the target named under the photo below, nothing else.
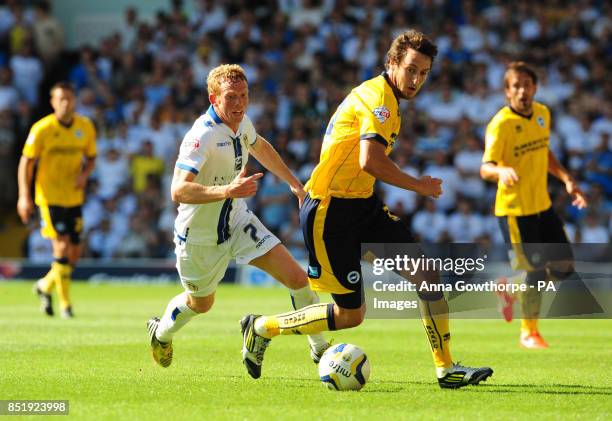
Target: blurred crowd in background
(145, 85)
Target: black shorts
(334, 230)
(58, 220)
(536, 239)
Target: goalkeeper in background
(63, 144)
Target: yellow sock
(434, 315)
(46, 284)
(517, 279)
(305, 321)
(531, 299)
(529, 326)
(62, 281)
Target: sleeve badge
(381, 113)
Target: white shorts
(201, 267)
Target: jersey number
(250, 228)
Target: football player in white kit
(214, 224)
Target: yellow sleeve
(494, 143)
(375, 123)
(34, 143)
(91, 150)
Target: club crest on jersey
(244, 138)
(381, 113)
(540, 121)
(78, 133)
(193, 144)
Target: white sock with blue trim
(176, 316)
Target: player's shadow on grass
(381, 386)
(573, 389)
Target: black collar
(528, 117)
(64, 124)
(393, 88)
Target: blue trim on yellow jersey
(187, 168)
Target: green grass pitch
(100, 362)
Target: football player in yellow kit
(63, 145)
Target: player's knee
(348, 318)
(296, 278)
(430, 296)
(535, 276)
(561, 270)
(200, 304)
(61, 245)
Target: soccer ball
(344, 367)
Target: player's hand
(81, 181)
(579, 199)
(243, 186)
(25, 208)
(300, 193)
(429, 186)
(507, 176)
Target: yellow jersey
(60, 151)
(516, 141)
(369, 112)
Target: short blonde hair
(223, 72)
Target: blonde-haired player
(214, 225)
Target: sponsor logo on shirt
(381, 113)
(263, 240)
(313, 271)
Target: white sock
(304, 297)
(176, 316)
(260, 327)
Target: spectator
(430, 224)
(48, 34)
(464, 225)
(28, 73)
(145, 164)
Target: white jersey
(215, 154)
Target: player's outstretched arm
(267, 156)
(374, 161)
(572, 188)
(25, 172)
(185, 190)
